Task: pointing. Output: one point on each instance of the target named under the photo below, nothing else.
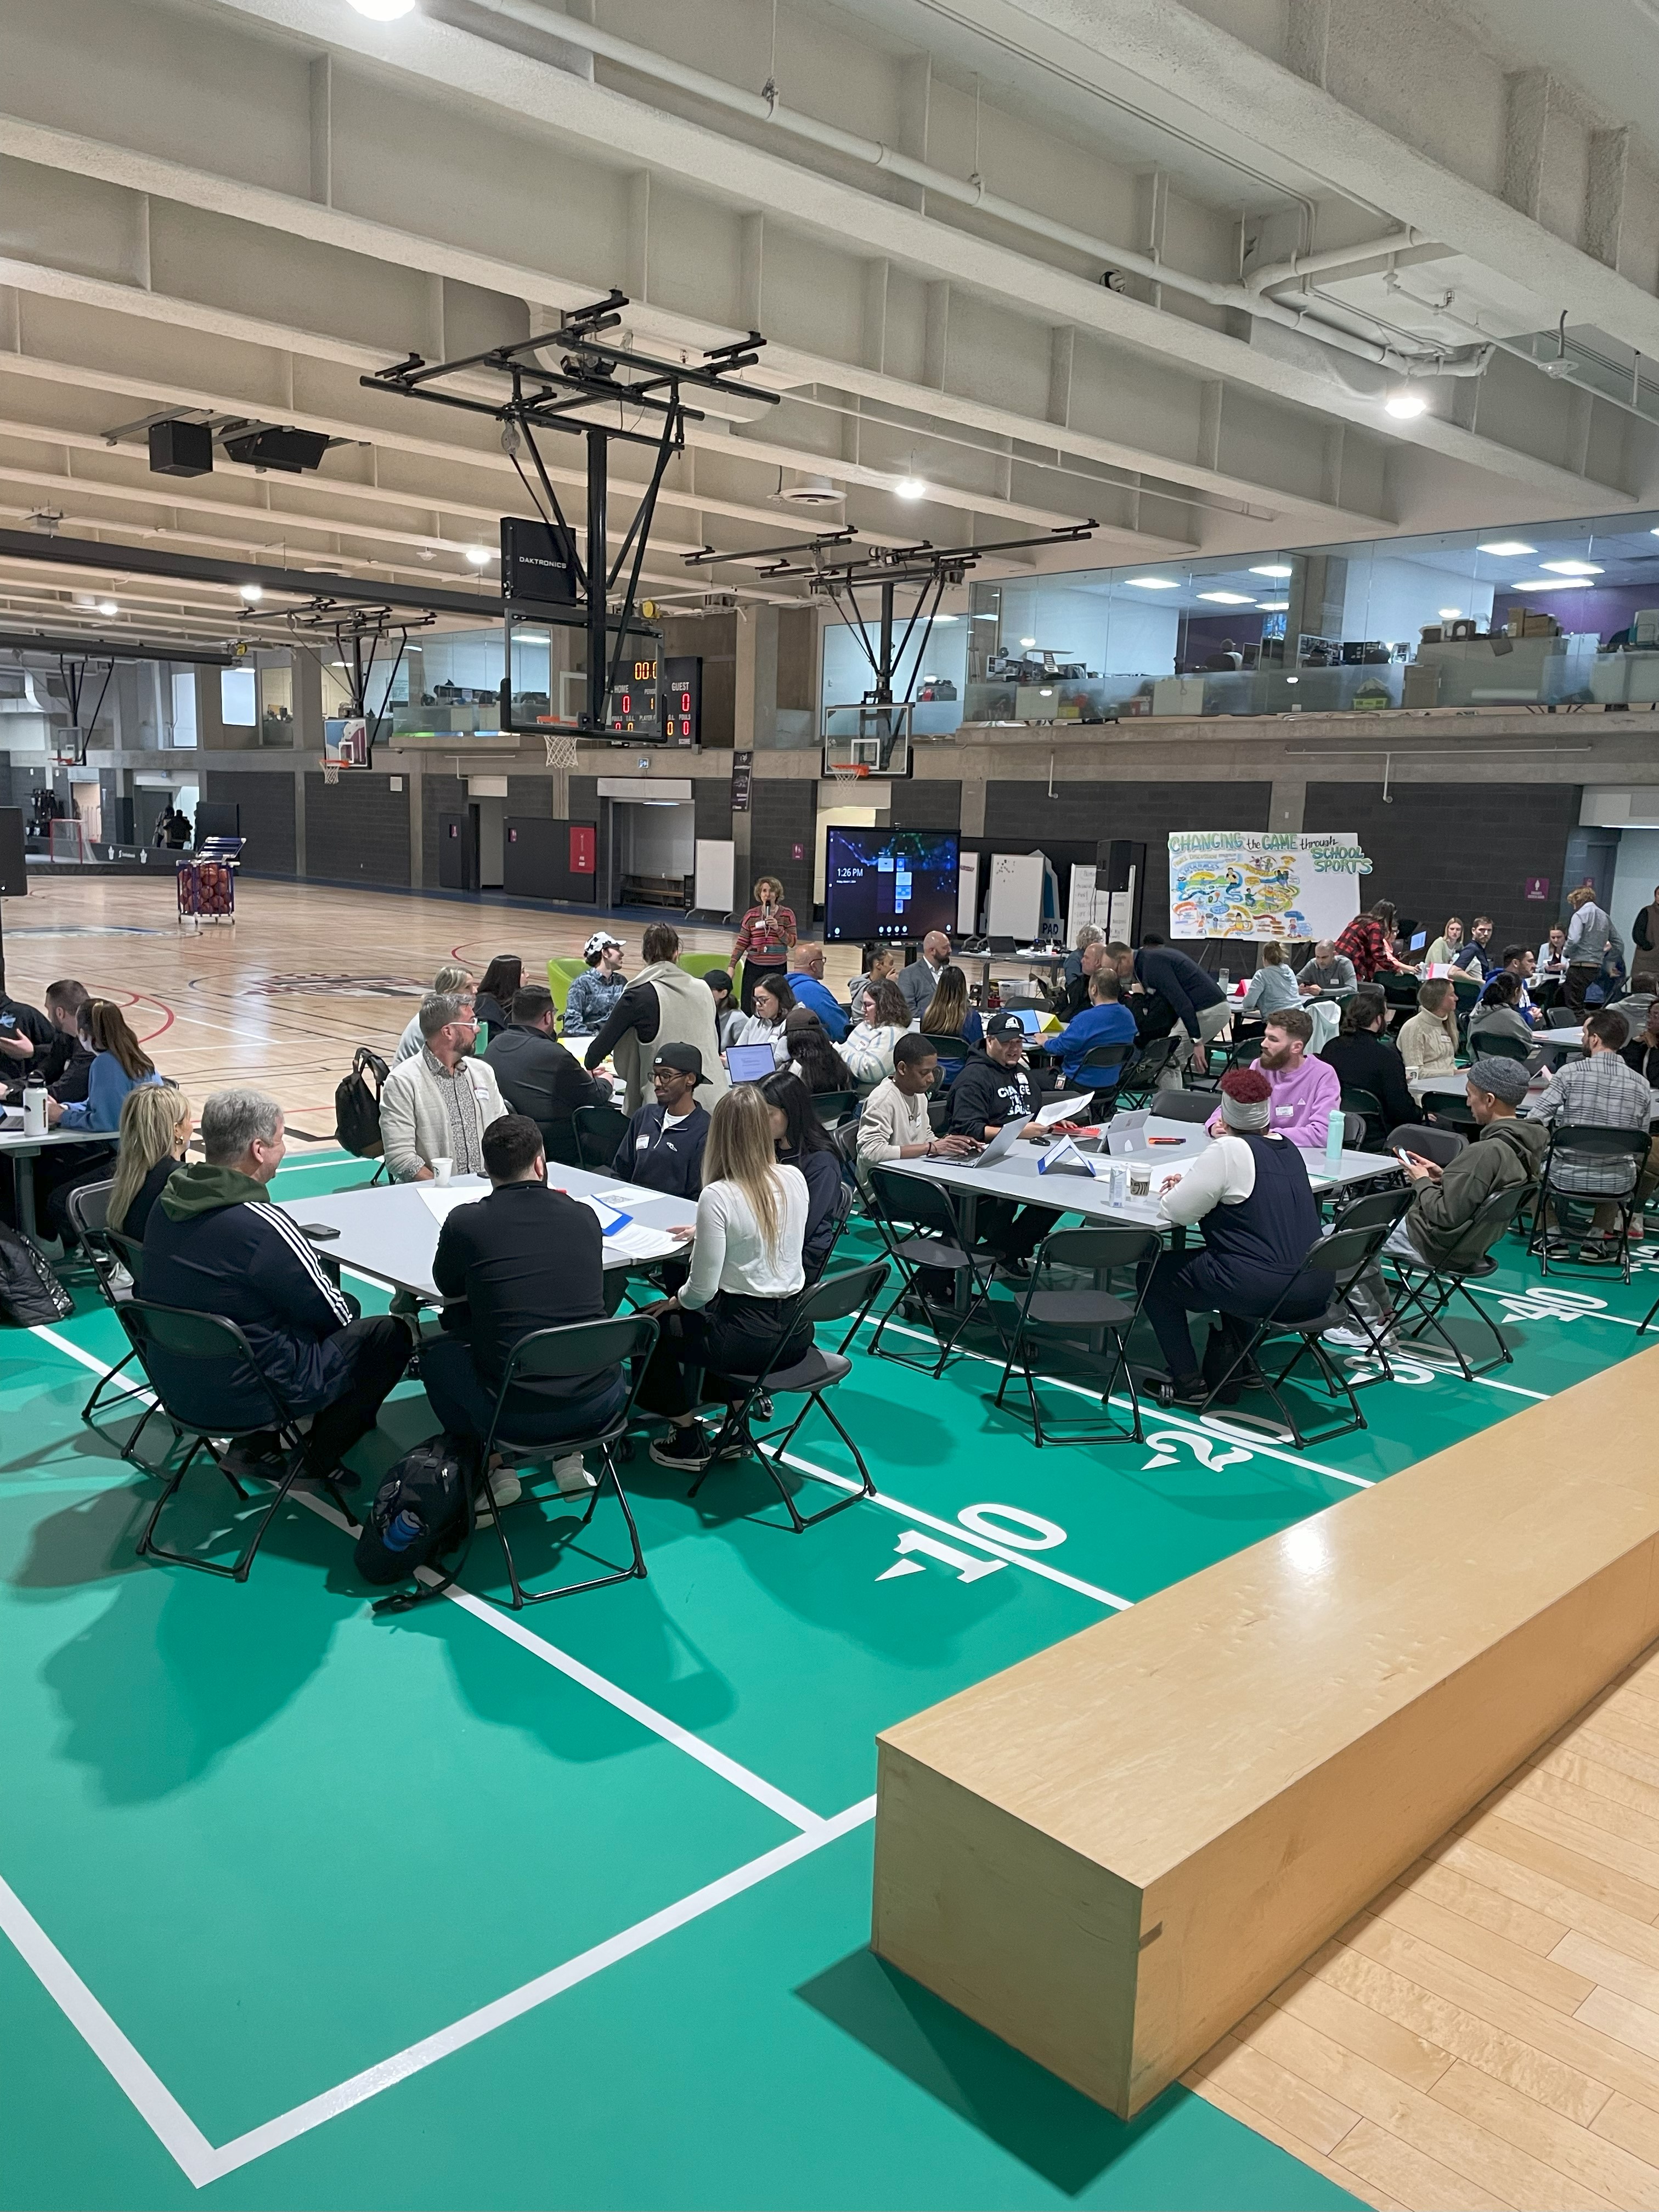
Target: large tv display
(892, 883)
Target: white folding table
(23, 1152)
(390, 1233)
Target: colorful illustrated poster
(1257, 884)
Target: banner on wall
(1257, 884)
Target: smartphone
(1406, 1159)
(318, 1231)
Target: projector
(293, 452)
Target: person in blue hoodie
(1104, 1020)
(215, 1244)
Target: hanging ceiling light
(252, 593)
(1403, 403)
(108, 607)
(910, 488)
(479, 556)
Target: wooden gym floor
(310, 1909)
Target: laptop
(1419, 940)
(1003, 1142)
(750, 1063)
(1124, 1129)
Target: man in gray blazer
(917, 982)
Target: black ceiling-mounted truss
(599, 389)
(352, 628)
(931, 570)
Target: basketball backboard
(866, 741)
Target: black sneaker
(1014, 1269)
(687, 1448)
(259, 1456)
(1177, 1390)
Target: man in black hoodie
(994, 1087)
(538, 1078)
(215, 1244)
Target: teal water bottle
(1335, 1126)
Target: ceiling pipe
(1336, 257)
(768, 109)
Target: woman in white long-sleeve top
(884, 1017)
(736, 1307)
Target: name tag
(1284, 1112)
(641, 1142)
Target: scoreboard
(659, 699)
(683, 704)
(635, 706)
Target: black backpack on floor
(30, 1293)
(358, 1104)
(422, 1509)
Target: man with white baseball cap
(593, 998)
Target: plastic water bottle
(1336, 1128)
(34, 1108)
(403, 1531)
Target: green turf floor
(612, 1858)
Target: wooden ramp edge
(1110, 1853)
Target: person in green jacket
(1439, 1229)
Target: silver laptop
(1003, 1142)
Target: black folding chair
(920, 1228)
(1371, 1209)
(1102, 1060)
(953, 1053)
(110, 1253)
(1139, 1079)
(1495, 1044)
(1344, 1255)
(1651, 1315)
(1186, 1105)
(1578, 1147)
(850, 1295)
(1050, 1315)
(1422, 1280)
(1365, 1108)
(1245, 1043)
(208, 1341)
(550, 1355)
(1440, 1146)
(599, 1131)
(833, 1107)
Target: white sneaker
(572, 1477)
(1355, 1339)
(507, 1490)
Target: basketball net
(331, 771)
(560, 750)
(847, 771)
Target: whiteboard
(1086, 902)
(716, 870)
(968, 894)
(1015, 904)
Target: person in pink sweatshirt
(1305, 1091)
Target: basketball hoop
(561, 748)
(331, 771)
(848, 771)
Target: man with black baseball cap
(663, 1148)
(994, 1087)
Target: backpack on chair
(420, 1510)
(358, 1104)
(30, 1292)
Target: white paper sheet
(638, 1243)
(441, 1198)
(1067, 1109)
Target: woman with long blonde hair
(736, 1312)
(156, 1122)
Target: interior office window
(276, 706)
(239, 698)
(184, 707)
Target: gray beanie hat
(1507, 1079)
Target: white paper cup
(440, 1170)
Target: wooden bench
(1110, 1853)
